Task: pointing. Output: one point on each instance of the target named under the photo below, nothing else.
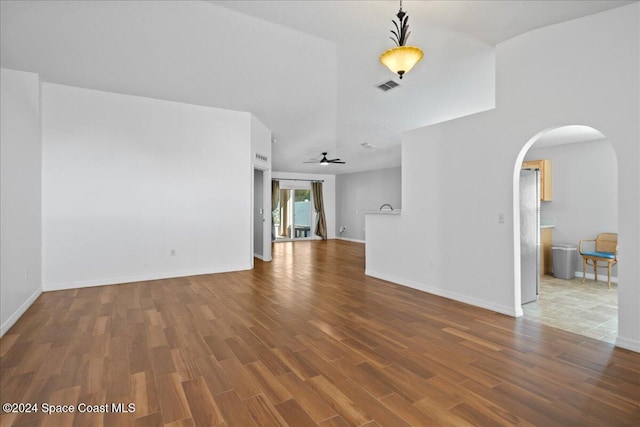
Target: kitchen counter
(384, 212)
(547, 223)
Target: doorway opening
(293, 214)
(260, 218)
(584, 203)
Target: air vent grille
(388, 85)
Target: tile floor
(590, 309)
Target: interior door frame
(266, 209)
(312, 213)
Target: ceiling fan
(325, 161)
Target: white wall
(458, 176)
(585, 192)
(329, 190)
(129, 181)
(20, 204)
(459, 69)
(362, 191)
(260, 144)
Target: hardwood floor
(307, 340)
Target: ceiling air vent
(388, 85)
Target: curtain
(318, 202)
(275, 199)
(285, 221)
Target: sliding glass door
(292, 216)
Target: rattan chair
(606, 251)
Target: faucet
(386, 204)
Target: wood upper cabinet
(546, 193)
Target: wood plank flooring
(307, 340)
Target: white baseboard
(601, 277)
(350, 240)
(260, 257)
(488, 305)
(138, 278)
(19, 312)
(629, 344)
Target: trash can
(564, 257)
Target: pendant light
(401, 58)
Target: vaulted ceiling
(307, 69)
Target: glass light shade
(401, 59)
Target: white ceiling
(306, 69)
(490, 21)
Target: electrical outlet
(343, 228)
(26, 273)
(500, 218)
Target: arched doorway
(584, 203)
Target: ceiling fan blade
(324, 160)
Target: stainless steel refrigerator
(529, 234)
